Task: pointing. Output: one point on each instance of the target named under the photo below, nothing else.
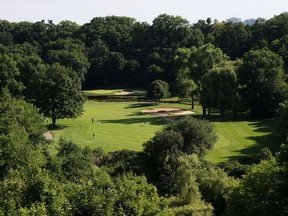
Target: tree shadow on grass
(138, 105)
(272, 140)
(51, 127)
(145, 121)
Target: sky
(83, 11)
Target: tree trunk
(192, 103)
(209, 111)
(204, 110)
(222, 111)
(53, 121)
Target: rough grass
(122, 126)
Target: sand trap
(123, 93)
(48, 135)
(166, 111)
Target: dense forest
(234, 68)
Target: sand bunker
(123, 93)
(167, 111)
(48, 135)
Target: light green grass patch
(122, 125)
(243, 138)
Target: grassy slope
(122, 126)
(243, 138)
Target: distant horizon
(84, 11)
(224, 20)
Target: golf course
(126, 125)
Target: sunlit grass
(121, 125)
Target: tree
(200, 61)
(21, 134)
(262, 191)
(161, 154)
(157, 90)
(170, 31)
(75, 163)
(185, 136)
(69, 53)
(136, 197)
(9, 74)
(280, 46)
(59, 94)
(232, 38)
(262, 85)
(283, 117)
(220, 88)
(186, 87)
(188, 199)
(199, 135)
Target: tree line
(228, 66)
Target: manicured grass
(243, 138)
(122, 127)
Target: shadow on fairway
(272, 141)
(149, 121)
(56, 127)
(138, 105)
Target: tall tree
(232, 38)
(21, 134)
(220, 87)
(200, 61)
(9, 74)
(186, 87)
(158, 90)
(170, 31)
(69, 53)
(59, 93)
(261, 77)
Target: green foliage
(232, 38)
(219, 88)
(262, 191)
(75, 163)
(157, 90)
(136, 197)
(185, 136)
(69, 53)
(199, 61)
(162, 152)
(199, 135)
(21, 134)
(59, 93)
(9, 74)
(283, 117)
(198, 186)
(261, 77)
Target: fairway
(243, 138)
(122, 126)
